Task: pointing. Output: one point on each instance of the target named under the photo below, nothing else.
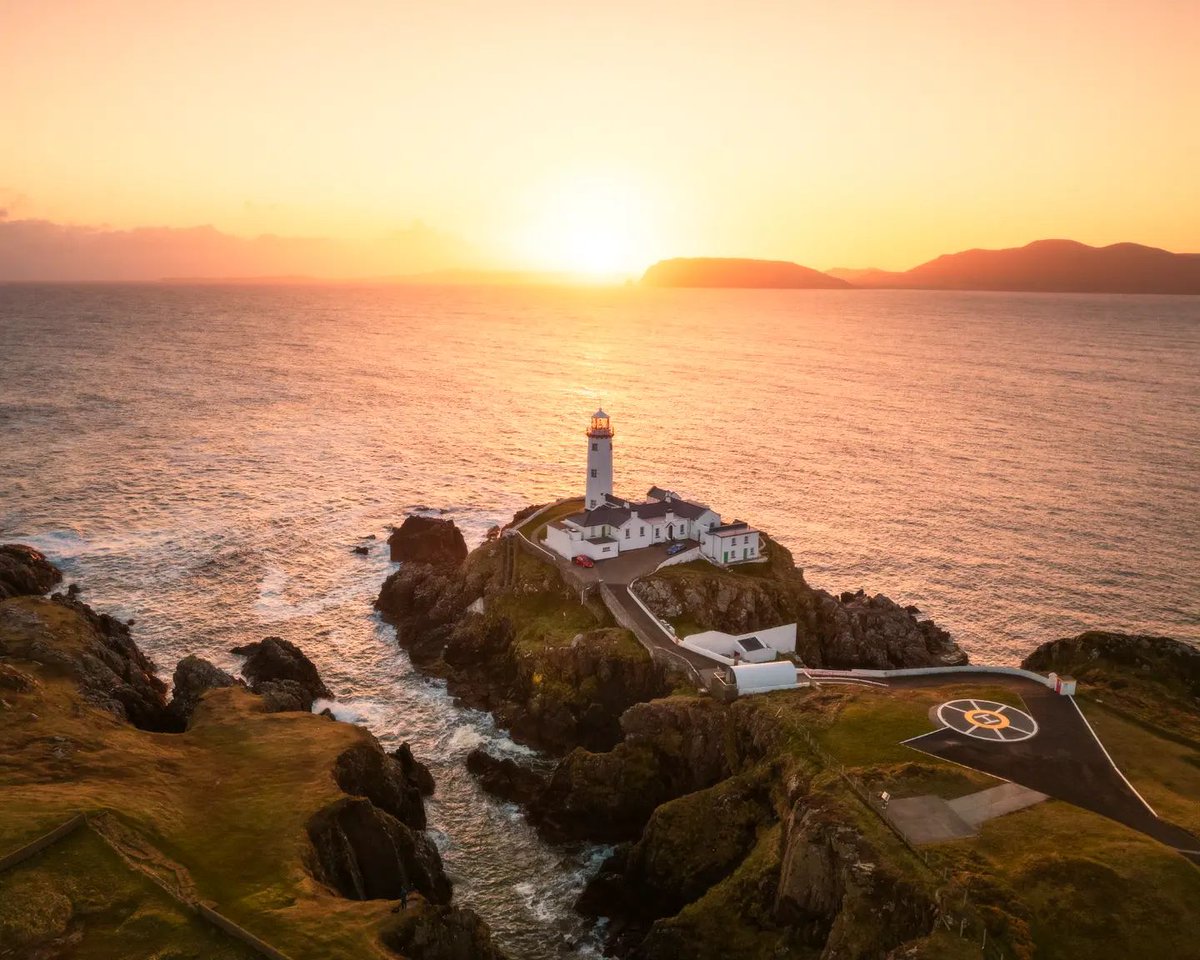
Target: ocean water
(203, 459)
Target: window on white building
(595, 446)
(593, 473)
(626, 533)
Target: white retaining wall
(685, 557)
(932, 671)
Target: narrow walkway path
(652, 634)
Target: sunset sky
(600, 137)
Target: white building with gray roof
(609, 525)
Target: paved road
(1064, 760)
(650, 632)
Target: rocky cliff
(511, 637)
(853, 630)
(728, 841)
(190, 786)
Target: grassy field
(1051, 881)
(219, 811)
(534, 525)
(1076, 884)
(1166, 771)
(865, 731)
(80, 888)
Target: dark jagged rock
(504, 777)
(364, 770)
(853, 630)
(523, 514)
(429, 540)
(837, 892)
(1160, 659)
(274, 660)
(424, 605)
(284, 696)
(25, 571)
(414, 770)
(15, 681)
(688, 845)
(96, 650)
(671, 747)
(360, 550)
(426, 932)
(365, 853)
(194, 676)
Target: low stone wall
(42, 842)
(208, 913)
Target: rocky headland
(733, 835)
(232, 793)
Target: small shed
(763, 677)
(753, 650)
(1063, 685)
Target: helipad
(987, 720)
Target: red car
(582, 561)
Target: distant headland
(738, 272)
(1044, 266)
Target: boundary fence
(203, 910)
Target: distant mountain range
(1049, 266)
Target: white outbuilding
(763, 677)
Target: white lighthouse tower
(599, 478)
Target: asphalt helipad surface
(1064, 759)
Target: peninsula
(891, 801)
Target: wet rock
(671, 747)
(274, 660)
(441, 933)
(1166, 661)
(284, 696)
(424, 604)
(365, 853)
(504, 777)
(493, 532)
(430, 540)
(195, 676)
(360, 550)
(25, 571)
(327, 714)
(414, 770)
(95, 650)
(364, 770)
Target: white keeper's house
(608, 525)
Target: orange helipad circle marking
(988, 719)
